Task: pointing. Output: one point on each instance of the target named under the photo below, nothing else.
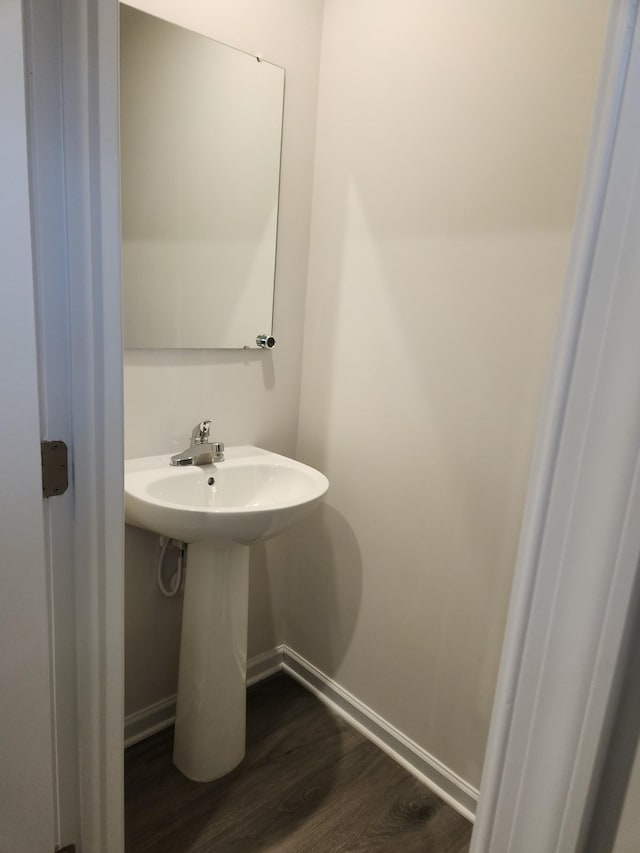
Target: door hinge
(55, 480)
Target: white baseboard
(455, 791)
(147, 721)
(262, 666)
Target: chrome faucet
(202, 451)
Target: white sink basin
(254, 494)
(219, 509)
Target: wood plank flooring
(309, 784)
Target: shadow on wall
(265, 581)
(324, 588)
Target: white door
(27, 810)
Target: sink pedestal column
(211, 707)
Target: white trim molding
(579, 548)
(436, 776)
(264, 665)
(149, 721)
(89, 68)
(72, 87)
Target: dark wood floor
(309, 782)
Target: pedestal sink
(219, 510)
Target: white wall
(449, 147)
(253, 396)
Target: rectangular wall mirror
(201, 133)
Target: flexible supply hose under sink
(176, 582)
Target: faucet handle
(200, 434)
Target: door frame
(71, 80)
(567, 551)
(89, 35)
